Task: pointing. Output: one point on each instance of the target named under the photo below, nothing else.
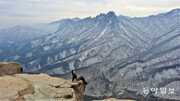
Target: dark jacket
(74, 77)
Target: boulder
(10, 68)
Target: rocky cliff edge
(30, 87)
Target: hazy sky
(29, 12)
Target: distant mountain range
(19, 33)
(114, 53)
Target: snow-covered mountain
(19, 34)
(113, 53)
(80, 42)
(53, 26)
(126, 17)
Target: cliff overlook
(30, 87)
(39, 87)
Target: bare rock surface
(10, 87)
(10, 68)
(26, 87)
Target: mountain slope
(19, 33)
(53, 26)
(115, 54)
(79, 42)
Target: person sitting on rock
(75, 77)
